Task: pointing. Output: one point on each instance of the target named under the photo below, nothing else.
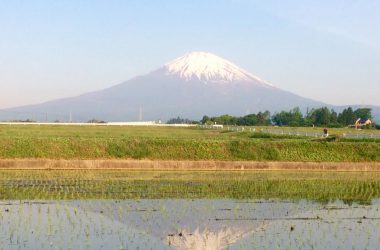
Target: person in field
(325, 132)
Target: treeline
(180, 120)
(321, 117)
(248, 120)
(314, 117)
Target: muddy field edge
(184, 165)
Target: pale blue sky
(328, 50)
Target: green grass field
(169, 143)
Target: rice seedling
(130, 209)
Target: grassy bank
(176, 144)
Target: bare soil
(130, 164)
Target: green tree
(347, 117)
(225, 120)
(263, 118)
(293, 117)
(320, 116)
(363, 113)
(248, 120)
(205, 120)
(334, 119)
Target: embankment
(265, 149)
(48, 164)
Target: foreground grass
(322, 187)
(163, 143)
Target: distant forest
(295, 118)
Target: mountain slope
(191, 86)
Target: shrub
(367, 127)
(335, 125)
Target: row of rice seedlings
(80, 219)
(96, 185)
(58, 225)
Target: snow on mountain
(209, 68)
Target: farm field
(31, 131)
(168, 143)
(126, 209)
(89, 209)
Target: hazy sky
(328, 50)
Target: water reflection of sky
(188, 224)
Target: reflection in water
(199, 224)
(207, 239)
(188, 224)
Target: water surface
(189, 210)
(188, 224)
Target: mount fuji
(191, 86)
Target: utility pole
(71, 117)
(140, 113)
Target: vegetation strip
(117, 185)
(48, 164)
(179, 144)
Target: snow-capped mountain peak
(207, 68)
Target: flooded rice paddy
(188, 210)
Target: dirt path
(40, 164)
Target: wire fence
(376, 136)
(289, 132)
(316, 134)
